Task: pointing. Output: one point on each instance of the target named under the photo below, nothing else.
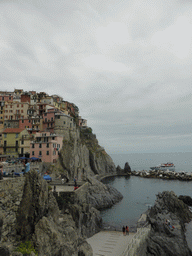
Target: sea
(139, 194)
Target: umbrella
(47, 177)
(23, 158)
(34, 158)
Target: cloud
(126, 64)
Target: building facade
(46, 146)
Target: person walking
(75, 182)
(127, 230)
(27, 166)
(123, 229)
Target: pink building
(49, 120)
(46, 146)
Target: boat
(168, 166)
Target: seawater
(140, 193)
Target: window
(63, 122)
(40, 153)
(51, 118)
(2, 98)
(22, 121)
(17, 105)
(22, 105)
(40, 145)
(16, 135)
(47, 153)
(45, 119)
(47, 145)
(33, 146)
(45, 114)
(9, 98)
(22, 111)
(54, 152)
(22, 142)
(33, 153)
(5, 135)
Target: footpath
(109, 243)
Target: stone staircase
(109, 243)
(114, 243)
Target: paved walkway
(63, 188)
(109, 243)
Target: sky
(126, 64)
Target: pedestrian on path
(75, 181)
(123, 229)
(127, 230)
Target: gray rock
(4, 251)
(98, 194)
(186, 199)
(164, 239)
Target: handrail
(133, 238)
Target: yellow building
(15, 141)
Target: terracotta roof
(13, 130)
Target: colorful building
(46, 146)
(15, 110)
(11, 141)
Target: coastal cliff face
(81, 150)
(168, 239)
(29, 212)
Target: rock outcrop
(82, 151)
(186, 199)
(168, 239)
(29, 211)
(97, 194)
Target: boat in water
(167, 166)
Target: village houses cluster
(33, 124)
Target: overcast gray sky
(126, 64)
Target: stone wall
(10, 199)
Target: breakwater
(163, 174)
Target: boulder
(168, 239)
(186, 199)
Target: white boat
(168, 166)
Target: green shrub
(26, 248)
(49, 188)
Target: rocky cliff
(168, 238)
(29, 212)
(81, 150)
